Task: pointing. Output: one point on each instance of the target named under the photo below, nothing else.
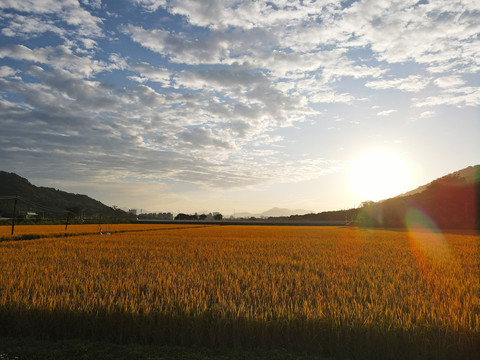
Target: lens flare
(426, 236)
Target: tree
(182, 216)
(218, 216)
(367, 203)
(76, 210)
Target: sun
(379, 175)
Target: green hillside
(48, 202)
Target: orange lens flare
(426, 236)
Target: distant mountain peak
(273, 212)
(276, 211)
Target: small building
(31, 215)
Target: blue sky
(198, 106)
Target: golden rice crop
(23, 231)
(340, 291)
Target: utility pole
(13, 215)
(66, 224)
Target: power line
(34, 204)
(42, 207)
(9, 197)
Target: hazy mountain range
(273, 212)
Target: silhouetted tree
(182, 216)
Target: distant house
(215, 216)
(31, 215)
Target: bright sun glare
(379, 175)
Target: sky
(238, 105)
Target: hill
(450, 202)
(48, 202)
(470, 175)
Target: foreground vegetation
(341, 292)
(34, 349)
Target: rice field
(76, 229)
(25, 232)
(337, 291)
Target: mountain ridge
(470, 174)
(273, 212)
(449, 202)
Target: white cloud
(265, 50)
(446, 82)
(251, 94)
(88, 43)
(136, 128)
(87, 25)
(69, 11)
(151, 73)
(226, 78)
(433, 33)
(386, 112)
(412, 83)
(199, 138)
(96, 4)
(7, 71)
(459, 97)
(427, 114)
(331, 97)
(37, 6)
(221, 14)
(20, 52)
(20, 25)
(179, 47)
(60, 57)
(151, 5)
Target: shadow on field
(316, 337)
